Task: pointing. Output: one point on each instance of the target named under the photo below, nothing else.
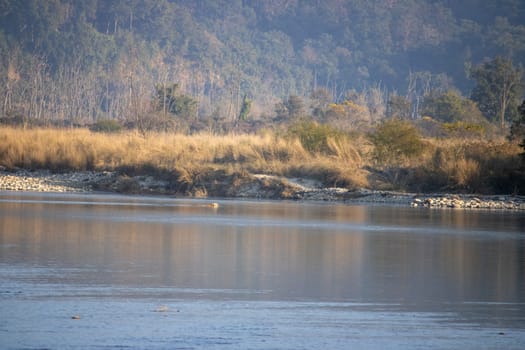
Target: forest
(81, 61)
(305, 69)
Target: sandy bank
(254, 186)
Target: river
(97, 271)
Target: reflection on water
(328, 252)
(125, 247)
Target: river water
(109, 272)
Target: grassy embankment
(206, 164)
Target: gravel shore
(297, 189)
(44, 181)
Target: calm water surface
(162, 273)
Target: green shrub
(106, 125)
(313, 136)
(395, 141)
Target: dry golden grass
(188, 155)
(444, 165)
(470, 166)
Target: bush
(314, 137)
(464, 129)
(395, 141)
(106, 125)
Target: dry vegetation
(199, 162)
(465, 166)
(185, 160)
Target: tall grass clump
(458, 165)
(46, 149)
(82, 149)
(332, 157)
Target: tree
(165, 98)
(168, 100)
(295, 106)
(398, 107)
(517, 130)
(292, 108)
(446, 107)
(185, 107)
(522, 124)
(450, 107)
(245, 108)
(320, 98)
(499, 86)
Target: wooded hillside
(214, 64)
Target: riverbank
(251, 186)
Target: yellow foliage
(337, 108)
(348, 109)
(355, 107)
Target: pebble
(471, 202)
(45, 181)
